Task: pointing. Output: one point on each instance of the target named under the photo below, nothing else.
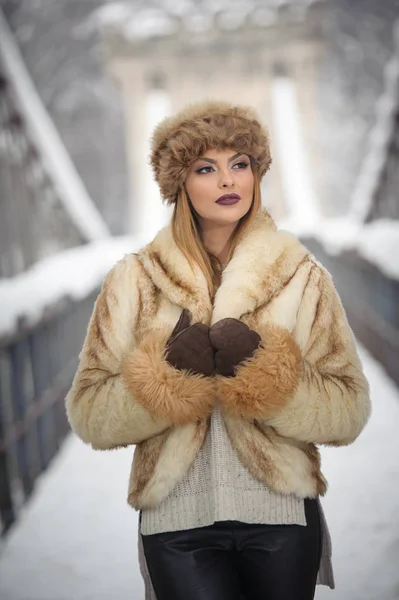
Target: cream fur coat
(303, 387)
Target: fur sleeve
(179, 397)
(312, 391)
(100, 408)
(122, 393)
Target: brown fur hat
(179, 140)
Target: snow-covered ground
(77, 539)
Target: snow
(135, 23)
(380, 137)
(379, 243)
(302, 204)
(177, 7)
(263, 17)
(154, 214)
(334, 234)
(73, 273)
(362, 504)
(150, 214)
(150, 23)
(132, 22)
(198, 22)
(70, 188)
(112, 15)
(233, 19)
(77, 537)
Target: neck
(217, 239)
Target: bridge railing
(371, 301)
(37, 365)
(44, 211)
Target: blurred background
(82, 85)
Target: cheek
(199, 190)
(248, 184)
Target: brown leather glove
(189, 347)
(233, 342)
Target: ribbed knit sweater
(218, 487)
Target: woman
(222, 351)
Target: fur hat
(179, 140)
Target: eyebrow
(213, 162)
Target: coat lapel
(263, 263)
(171, 273)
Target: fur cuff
(266, 382)
(167, 393)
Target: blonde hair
(187, 234)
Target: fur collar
(263, 262)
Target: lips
(228, 199)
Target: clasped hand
(210, 350)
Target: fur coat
(303, 387)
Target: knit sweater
(218, 487)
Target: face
(220, 186)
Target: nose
(226, 179)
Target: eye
(241, 165)
(203, 170)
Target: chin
(231, 214)
(224, 215)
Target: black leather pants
(231, 560)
